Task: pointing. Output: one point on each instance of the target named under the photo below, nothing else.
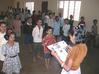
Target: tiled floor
(89, 66)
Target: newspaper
(60, 48)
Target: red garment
(48, 40)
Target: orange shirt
(77, 54)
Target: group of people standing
(38, 36)
(9, 50)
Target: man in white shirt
(65, 29)
(37, 34)
(2, 41)
(51, 20)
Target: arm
(54, 39)
(44, 41)
(66, 65)
(56, 56)
(33, 32)
(68, 62)
(3, 53)
(63, 28)
(18, 48)
(3, 50)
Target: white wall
(53, 5)
(90, 9)
(22, 3)
(4, 4)
(37, 3)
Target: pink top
(17, 25)
(48, 40)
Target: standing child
(11, 50)
(48, 40)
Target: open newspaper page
(60, 48)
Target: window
(61, 4)
(70, 8)
(30, 6)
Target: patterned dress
(80, 34)
(12, 62)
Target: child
(48, 40)
(11, 50)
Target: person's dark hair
(71, 16)
(8, 35)
(50, 13)
(82, 17)
(70, 32)
(66, 19)
(9, 31)
(34, 11)
(28, 11)
(27, 19)
(53, 13)
(56, 17)
(95, 20)
(45, 32)
(49, 28)
(16, 16)
(38, 20)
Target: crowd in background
(41, 27)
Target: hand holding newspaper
(60, 48)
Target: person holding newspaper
(76, 54)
